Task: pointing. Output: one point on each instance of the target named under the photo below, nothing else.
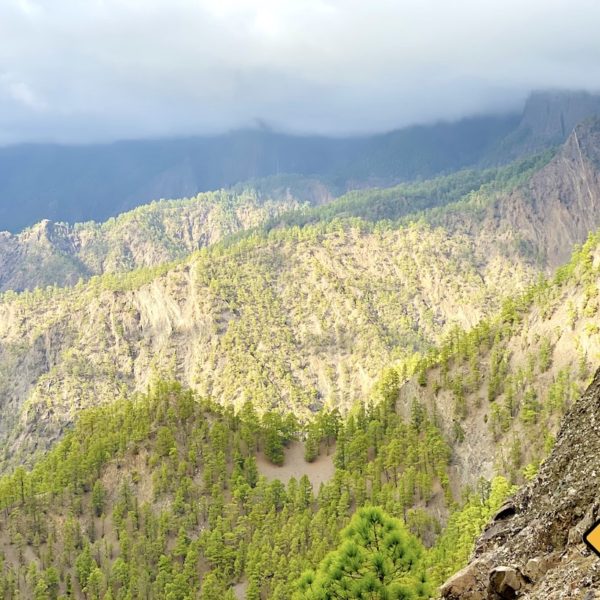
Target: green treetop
(378, 559)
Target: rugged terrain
(500, 390)
(414, 347)
(291, 321)
(59, 254)
(291, 317)
(533, 548)
(558, 206)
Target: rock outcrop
(538, 552)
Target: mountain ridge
(59, 253)
(95, 182)
(341, 299)
(49, 182)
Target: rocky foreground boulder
(534, 548)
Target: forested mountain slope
(291, 321)
(500, 390)
(289, 317)
(59, 254)
(540, 206)
(161, 494)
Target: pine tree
(378, 558)
(98, 496)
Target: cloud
(22, 94)
(107, 69)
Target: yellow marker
(592, 538)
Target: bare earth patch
(239, 589)
(318, 472)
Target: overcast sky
(88, 70)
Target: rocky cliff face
(548, 119)
(542, 218)
(559, 205)
(551, 116)
(533, 548)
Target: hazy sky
(83, 70)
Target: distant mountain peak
(550, 116)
